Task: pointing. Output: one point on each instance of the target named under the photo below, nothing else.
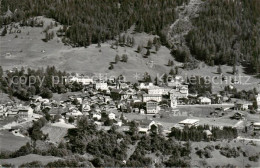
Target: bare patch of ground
(29, 158)
(10, 142)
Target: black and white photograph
(130, 83)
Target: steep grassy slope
(29, 50)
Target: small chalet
(204, 100)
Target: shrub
(254, 158)
(32, 164)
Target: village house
(12, 112)
(36, 99)
(107, 99)
(20, 111)
(256, 126)
(122, 86)
(96, 115)
(80, 79)
(208, 133)
(241, 105)
(123, 95)
(25, 112)
(2, 110)
(142, 111)
(177, 81)
(111, 116)
(55, 111)
(258, 100)
(46, 105)
(101, 86)
(152, 107)
(204, 100)
(79, 100)
(73, 113)
(130, 92)
(216, 99)
(118, 123)
(145, 86)
(155, 90)
(159, 90)
(136, 110)
(86, 107)
(136, 98)
(155, 97)
(173, 103)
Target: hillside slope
(27, 49)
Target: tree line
(226, 32)
(198, 133)
(91, 21)
(16, 83)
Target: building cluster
(15, 110)
(106, 101)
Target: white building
(155, 90)
(173, 103)
(97, 116)
(111, 116)
(177, 81)
(142, 111)
(74, 113)
(25, 112)
(80, 100)
(152, 107)
(159, 90)
(86, 107)
(204, 100)
(189, 122)
(1, 110)
(242, 105)
(101, 86)
(256, 126)
(258, 100)
(155, 97)
(145, 86)
(36, 99)
(80, 79)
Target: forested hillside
(92, 21)
(227, 32)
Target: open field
(10, 142)
(55, 134)
(29, 158)
(27, 50)
(220, 160)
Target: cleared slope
(27, 50)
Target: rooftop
(189, 121)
